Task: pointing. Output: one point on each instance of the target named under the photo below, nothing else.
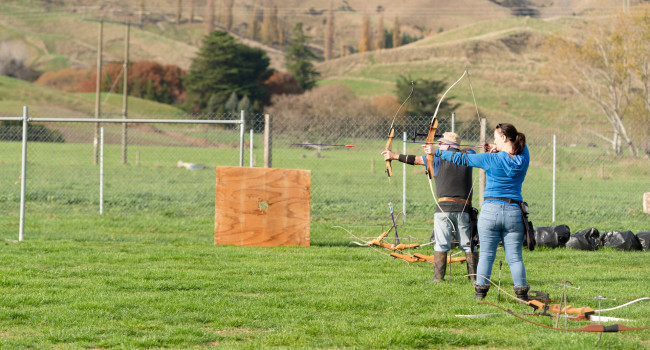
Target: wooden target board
(262, 207)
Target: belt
(452, 199)
(511, 201)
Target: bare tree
(192, 11)
(605, 68)
(380, 42)
(397, 41)
(366, 36)
(209, 16)
(252, 23)
(267, 26)
(329, 32)
(227, 14)
(179, 7)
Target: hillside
(502, 51)
(56, 34)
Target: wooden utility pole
(125, 88)
(98, 89)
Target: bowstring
(429, 178)
(393, 194)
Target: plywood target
(262, 207)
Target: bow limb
(598, 328)
(389, 146)
(430, 136)
(624, 305)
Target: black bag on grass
(552, 236)
(644, 239)
(623, 240)
(585, 240)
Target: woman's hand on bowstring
(490, 148)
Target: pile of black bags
(590, 239)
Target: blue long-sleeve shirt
(436, 160)
(504, 175)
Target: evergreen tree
(232, 103)
(223, 66)
(297, 59)
(213, 104)
(425, 97)
(246, 106)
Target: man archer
(453, 214)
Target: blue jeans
(444, 231)
(500, 221)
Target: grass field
(147, 275)
(178, 290)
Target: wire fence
(162, 173)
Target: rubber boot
(472, 264)
(521, 292)
(481, 291)
(439, 266)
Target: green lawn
(178, 290)
(146, 273)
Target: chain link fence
(163, 181)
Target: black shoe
(481, 291)
(439, 266)
(521, 292)
(472, 263)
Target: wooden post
(125, 99)
(268, 141)
(98, 89)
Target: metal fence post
(404, 179)
(554, 178)
(251, 149)
(268, 141)
(101, 170)
(241, 138)
(453, 122)
(23, 177)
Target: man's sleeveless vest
(454, 181)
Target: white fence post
(251, 149)
(23, 177)
(554, 178)
(241, 138)
(101, 170)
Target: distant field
(63, 187)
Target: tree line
(610, 66)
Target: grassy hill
(503, 52)
(506, 63)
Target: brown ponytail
(517, 139)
